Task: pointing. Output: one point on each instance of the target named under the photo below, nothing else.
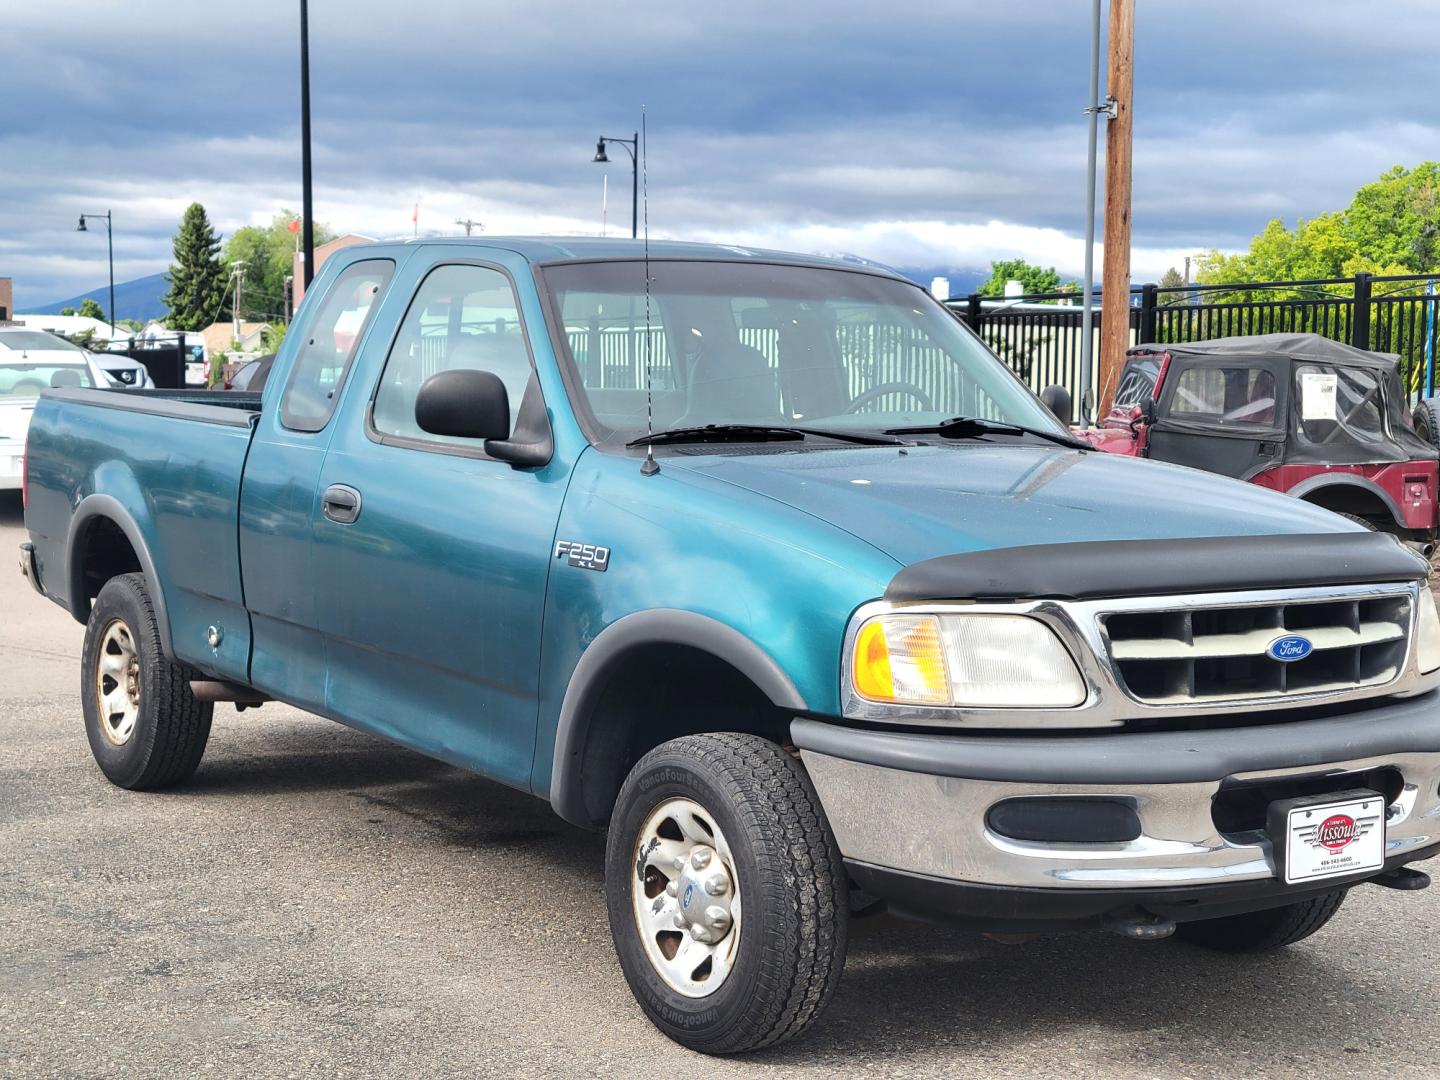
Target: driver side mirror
(1059, 401)
(464, 404)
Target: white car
(32, 361)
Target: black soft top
(1346, 437)
(1298, 348)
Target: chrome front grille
(1199, 655)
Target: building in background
(7, 299)
(323, 252)
(71, 326)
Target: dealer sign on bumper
(1328, 836)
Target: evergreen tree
(91, 309)
(197, 295)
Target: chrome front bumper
(904, 802)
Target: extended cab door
(433, 561)
(278, 498)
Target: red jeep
(1297, 413)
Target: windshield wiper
(757, 433)
(964, 427)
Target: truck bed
(170, 461)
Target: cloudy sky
(921, 134)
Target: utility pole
(237, 268)
(467, 225)
(1115, 288)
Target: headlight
(978, 661)
(1427, 647)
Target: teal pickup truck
(766, 565)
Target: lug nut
(678, 862)
(679, 921)
(698, 932)
(718, 885)
(700, 859)
(717, 916)
(672, 889)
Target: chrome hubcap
(117, 683)
(686, 898)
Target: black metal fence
(1040, 336)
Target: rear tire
(145, 727)
(1262, 931)
(756, 860)
(1360, 520)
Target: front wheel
(726, 892)
(1261, 931)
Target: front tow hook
(1139, 925)
(1402, 878)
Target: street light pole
(110, 249)
(307, 223)
(632, 146)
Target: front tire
(1262, 931)
(146, 729)
(726, 892)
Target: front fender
(662, 627)
(760, 584)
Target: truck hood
(946, 500)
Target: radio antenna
(651, 466)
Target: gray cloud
(928, 132)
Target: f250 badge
(584, 556)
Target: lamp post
(307, 217)
(631, 145)
(110, 245)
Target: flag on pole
(294, 225)
(415, 221)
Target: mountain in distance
(142, 299)
(963, 281)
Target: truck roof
(579, 248)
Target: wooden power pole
(1115, 282)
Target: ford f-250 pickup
(767, 565)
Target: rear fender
(92, 510)
(1309, 487)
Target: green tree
(67, 311)
(268, 254)
(91, 309)
(1392, 226)
(1172, 279)
(1034, 279)
(198, 280)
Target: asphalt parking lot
(318, 903)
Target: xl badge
(1289, 648)
(584, 556)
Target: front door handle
(341, 504)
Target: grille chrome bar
(1216, 654)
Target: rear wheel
(1261, 931)
(145, 727)
(727, 895)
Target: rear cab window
(331, 338)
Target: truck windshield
(26, 381)
(766, 344)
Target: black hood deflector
(1110, 569)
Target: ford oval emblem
(1290, 648)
